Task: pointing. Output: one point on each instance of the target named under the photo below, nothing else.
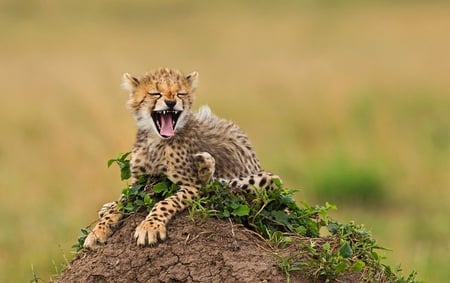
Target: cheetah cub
(190, 148)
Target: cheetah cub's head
(161, 100)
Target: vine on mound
(275, 216)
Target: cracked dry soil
(207, 250)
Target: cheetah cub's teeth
(165, 121)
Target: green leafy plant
(145, 193)
(197, 208)
(350, 248)
(289, 264)
(124, 164)
(265, 211)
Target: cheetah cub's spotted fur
(190, 148)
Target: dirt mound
(207, 250)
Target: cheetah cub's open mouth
(166, 121)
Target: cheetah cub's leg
(109, 218)
(206, 165)
(154, 225)
(248, 184)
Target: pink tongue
(166, 125)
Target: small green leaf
(280, 216)
(298, 266)
(358, 265)
(111, 161)
(332, 227)
(330, 206)
(147, 199)
(129, 207)
(326, 246)
(241, 210)
(341, 267)
(287, 240)
(375, 255)
(277, 236)
(277, 182)
(125, 173)
(226, 213)
(300, 230)
(160, 187)
(346, 251)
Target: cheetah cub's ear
(192, 79)
(129, 82)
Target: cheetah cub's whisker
(190, 148)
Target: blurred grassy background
(347, 100)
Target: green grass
(342, 180)
(369, 79)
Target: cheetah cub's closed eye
(190, 148)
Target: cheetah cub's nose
(170, 103)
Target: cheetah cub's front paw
(206, 165)
(98, 236)
(148, 232)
